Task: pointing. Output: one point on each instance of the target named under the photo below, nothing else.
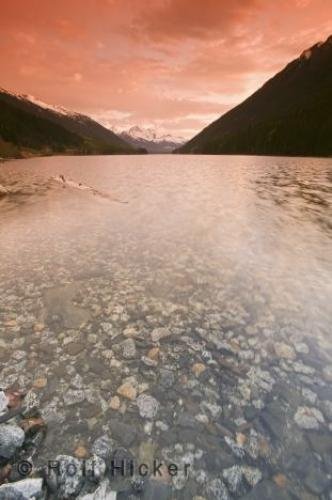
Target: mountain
(150, 140)
(30, 127)
(290, 115)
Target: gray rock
(160, 333)
(233, 477)
(300, 367)
(214, 409)
(309, 395)
(236, 449)
(128, 348)
(308, 418)
(95, 468)
(3, 402)
(103, 447)
(252, 475)
(11, 438)
(149, 362)
(260, 379)
(51, 412)
(31, 402)
(67, 478)
(77, 382)
(148, 406)
(301, 347)
(73, 397)
(217, 490)
(22, 490)
(167, 378)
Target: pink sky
(173, 64)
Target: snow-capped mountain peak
(151, 139)
(142, 133)
(150, 134)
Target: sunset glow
(173, 64)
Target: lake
(183, 308)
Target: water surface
(231, 255)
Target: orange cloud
(177, 64)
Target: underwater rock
(148, 406)
(26, 489)
(308, 418)
(11, 438)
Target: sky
(175, 65)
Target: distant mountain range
(290, 115)
(150, 140)
(31, 127)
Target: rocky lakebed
(188, 411)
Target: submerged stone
(160, 333)
(233, 477)
(67, 476)
(148, 406)
(128, 347)
(128, 391)
(26, 489)
(308, 418)
(11, 438)
(217, 490)
(103, 447)
(3, 402)
(285, 351)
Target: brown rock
(198, 369)
(280, 480)
(40, 383)
(127, 391)
(5, 473)
(115, 403)
(81, 452)
(33, 424)
(285, 351)
(263, 447)
(38, 327)
(11, 323)
(240, 438)
(130, 332)
(154, 353)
